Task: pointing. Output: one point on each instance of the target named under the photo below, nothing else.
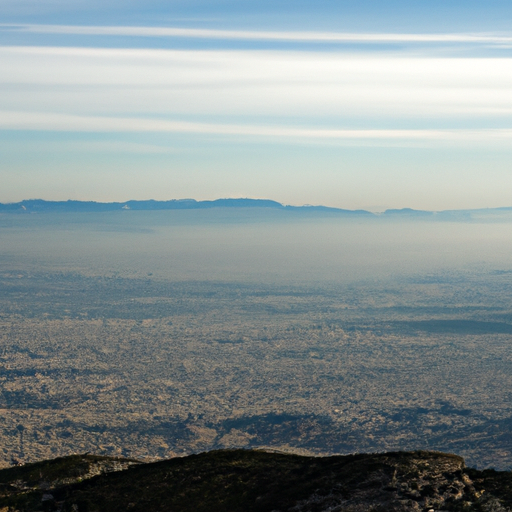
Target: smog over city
(153, 334)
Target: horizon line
(269, 202)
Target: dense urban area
(151, 368)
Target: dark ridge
(40, 206)
(257, 481)
(192, 204)
(72, 206)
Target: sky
(368, 104)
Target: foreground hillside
(244, 481)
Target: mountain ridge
(257, 481)
(76, 206)
(41, 205)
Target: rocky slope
(245, 481)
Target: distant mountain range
(41, 206)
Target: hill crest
(257, 481)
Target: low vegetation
(256, 481)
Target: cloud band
(252, 35)
(61, 122)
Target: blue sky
(350, 104)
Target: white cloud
(63, 122)
(331, 87)
(328, 37)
